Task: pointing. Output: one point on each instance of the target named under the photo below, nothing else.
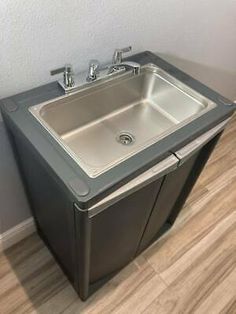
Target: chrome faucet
(68, 75)
(69, 82)
(118, 64)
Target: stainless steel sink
(103, 125)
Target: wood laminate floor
(192, 269)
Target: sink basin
(107, 122)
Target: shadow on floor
(30, 277)
(32, 281)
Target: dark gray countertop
(66, 170)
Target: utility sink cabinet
(92, 246)
(97, 204)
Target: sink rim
(35, 110)
(126, 75)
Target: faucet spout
(127, 65)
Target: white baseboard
(16, 234)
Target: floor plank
(191, 269)
(188, 292)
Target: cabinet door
(173, 193)
(116, 232)
(169, 193)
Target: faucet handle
(67, 71)
(118, 54)
(67, 68)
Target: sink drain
(125, 138)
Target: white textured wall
(39, 35)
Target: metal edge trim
(162, 168)
(188, 150)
